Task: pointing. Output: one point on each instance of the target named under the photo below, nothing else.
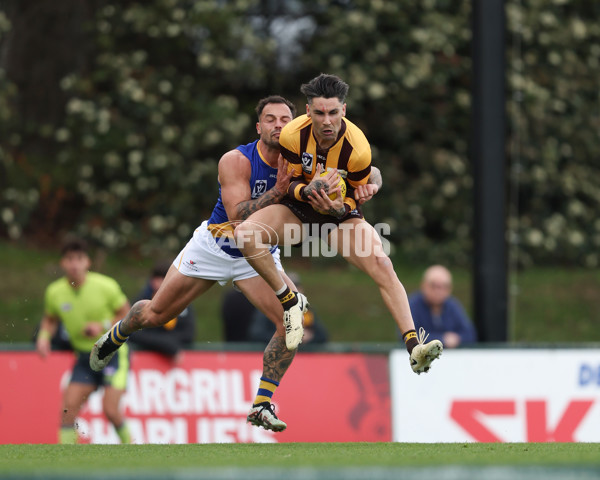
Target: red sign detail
(469, 414)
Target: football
(341, 184)
(333, 196)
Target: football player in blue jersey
(251, 177)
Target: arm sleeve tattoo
(247, 208)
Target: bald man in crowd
(435, 309)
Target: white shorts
(202, 258)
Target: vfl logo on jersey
(307, 162)
(260, 187)
(66, 307)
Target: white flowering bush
(170, 85)
(554, 108)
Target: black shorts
(307, 214)
(114, 374)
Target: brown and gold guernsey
(350, 154)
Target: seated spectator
(438, 312)
(244, 323)
(171, 338)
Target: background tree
(114, 114)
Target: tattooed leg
(277, 358)
(134, 320)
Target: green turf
(61, 458)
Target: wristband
(44, 334)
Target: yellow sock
(287, 298)
(123, 433)
(67, 435)
(117, 337)
(266, 389)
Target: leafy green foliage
(159, 90)
(408, 71)
(553, 79)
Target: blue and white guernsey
(262, 178)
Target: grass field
(369, 461)
(544, 300)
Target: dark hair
(263, 102)
(73, 244)
(161, 268)
(326, 86)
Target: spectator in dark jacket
(236, 313)
(261, 329)
(438, 312)
(242, 322)
(171, 338)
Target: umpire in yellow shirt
(87, 303)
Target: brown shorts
(313, 219)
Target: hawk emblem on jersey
(307, 162)
(260, 187)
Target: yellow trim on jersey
(261, 155)
(297, 194)
(221, 229)
(350, 202)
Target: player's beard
(271, 142)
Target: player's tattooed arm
(277, 358)
(234, 176)
(247, 208)
(364, 193)
(274, 195)
(375, 177)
